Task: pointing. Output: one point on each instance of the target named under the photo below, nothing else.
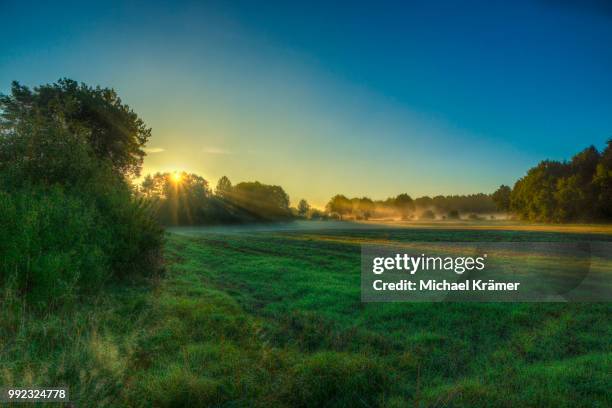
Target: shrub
(52, 245)
(137, 236)
(68, 216)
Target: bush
(69, 221)
(137, 236)
(53, 246)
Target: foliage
(97, 116)
(179, 199)
(303, 207)
(364, 207)
(68, 203)
(428, 215)
(501, 197)
(224, 187)
(453, 215)
(339, 205)
(261, 200)
(578, 190)
(185, 199)
(477, 203)
(404, 204)
(52, 246)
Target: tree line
(187, 199)
(563, 191)
(404, 207)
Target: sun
(176, 177)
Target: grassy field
(272, 317)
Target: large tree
(263, 201)
(339, 204)
(113, 131)
(404, 204)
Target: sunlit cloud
(153, 149)
(215, 150)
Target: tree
(183, 202)
(533, 196)
(147, 187)
(64, 153)
(340, 205)
(40, 150)
(428, 215)
(365, 207)
(404, 205)
(570, 199)
(453, 215)
(261, 200)
(501, 197)
(303, 207)
(602, 182)
(224, 187)
(111, 129)
(423, 202)
(578, 190)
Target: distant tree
(303, 207)
(183, 202)
(224, 187)
(427, 215)
(318, 215)
(404, 205)
(423, 202)
(339, 205)
(501, 197)
(97, 115)
(365, 207)
(261, 200)
(602, 182)
(477, 203)
(453, 215)
(147, 187)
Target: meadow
(272, 316)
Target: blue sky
(426, 97)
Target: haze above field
(432, 98)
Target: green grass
(275, 319)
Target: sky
(365, 99)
